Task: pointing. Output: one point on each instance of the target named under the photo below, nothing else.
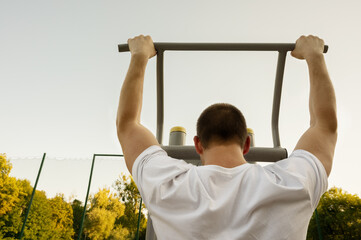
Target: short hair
(221, 122)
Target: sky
(61, 74)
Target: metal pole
(86, 199)
(318, 226)
(160, 95)
(31, 199)
(277, 98)
(140, 209)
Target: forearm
(131, 95)
(322, 95)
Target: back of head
(221, 123)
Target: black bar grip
(123, 48)
(281, 47)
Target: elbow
(120, 133)
(124, 126)
(334, 126)
(332, 122)
(121, 121)
(125, 119)
(121, 127)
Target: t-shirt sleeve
(154, 167)
(302, 167)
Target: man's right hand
(320, 139)
(307, 47)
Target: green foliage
(9, 191)
(61, 218)
(12, 221)
(101, 218)
(77, 215)
(99, 224)
(48, 218)
(129, 194)
(118, 232)
(14, 197)
(38, 225)
(339, 216)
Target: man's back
(244, 202)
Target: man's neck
(228, 156)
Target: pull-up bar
(163, 46)
(282, 48)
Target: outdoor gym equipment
(188, 153)
(256, 154)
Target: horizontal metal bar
(163, 46)
(255, 154)
(108, 155)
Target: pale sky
(61, 73)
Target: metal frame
(281, 48)
(87, 193)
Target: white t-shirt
(245, 202)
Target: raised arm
(320, 138)
(134, 137)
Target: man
(228, 198)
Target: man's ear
(247, 145)
(198, 145)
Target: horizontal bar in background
(255, 154)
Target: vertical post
(139, 215)
(31, 199)
(277, 98)
(150, 234)
(318, 226)
(86, 199)
(160, 94)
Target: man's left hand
(142, 45)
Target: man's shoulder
(298, 158)
(300, 167)
(156, 160)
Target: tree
(118, 232)
(9, 191)
(48, 218)
(78, 209)
(13, 220)
(99, 224)
(101, 218)
(61, 218)
(128, 192)
(39, 224)
(339, 215)
(13, 200)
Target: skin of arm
(320, 139)
(134, 137)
